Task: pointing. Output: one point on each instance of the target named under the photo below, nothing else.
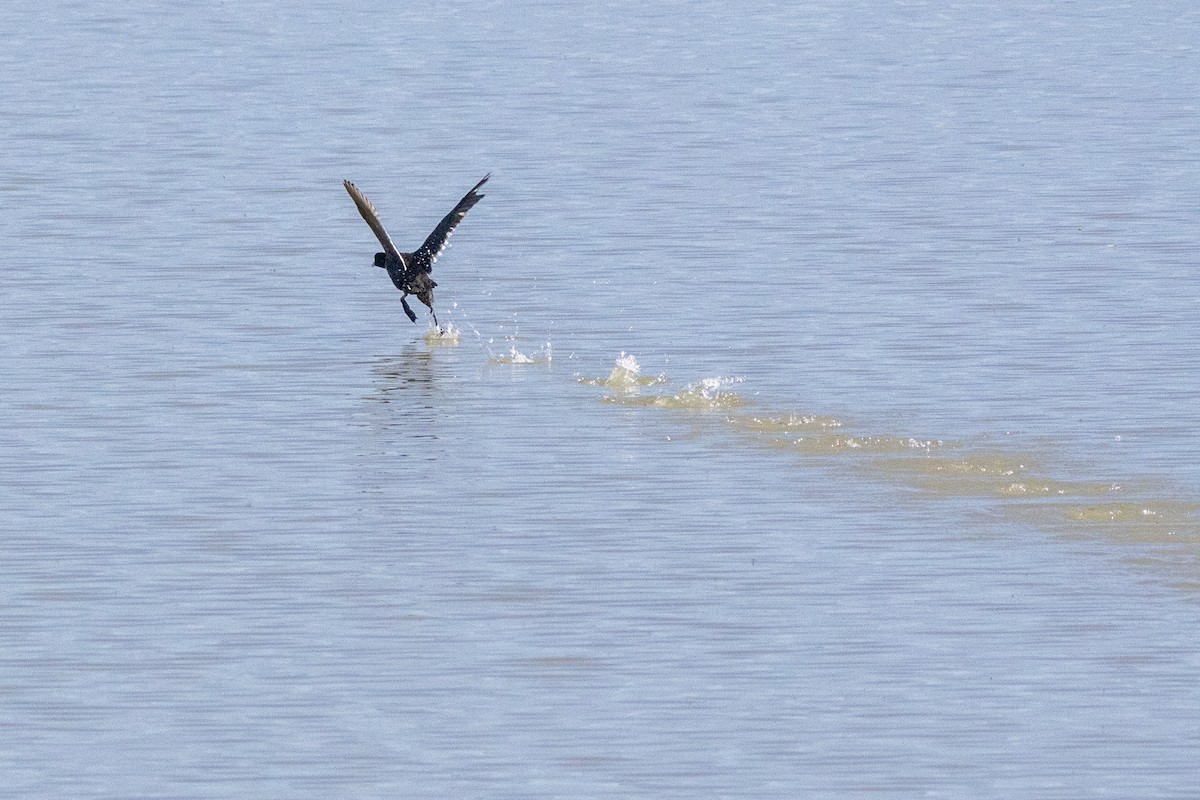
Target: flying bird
(410, 271)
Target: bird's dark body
(408, 280)
(410, 271)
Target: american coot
(410, 271)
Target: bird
(410, 271)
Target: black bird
(410, 271)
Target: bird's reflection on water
(404, 386)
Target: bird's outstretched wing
(428, 252)
(368, 213)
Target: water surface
(820, 421)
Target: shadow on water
(1140, 521)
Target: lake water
(821, 419)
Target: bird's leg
(426, 297)
(411, 315)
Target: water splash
(707, 394)
(626, 383)
(542, 356)
(625, 373)
(447, 336)
(626, 376)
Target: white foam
(707, 393)
(448, 335)
(629, 363)
(625, 373)
(543, 356)
(517, 357)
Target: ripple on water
(832, 443)
(785, 423)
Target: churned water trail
(1012, 482)
(872, 536)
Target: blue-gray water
(934, 534)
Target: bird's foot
(411, 314)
